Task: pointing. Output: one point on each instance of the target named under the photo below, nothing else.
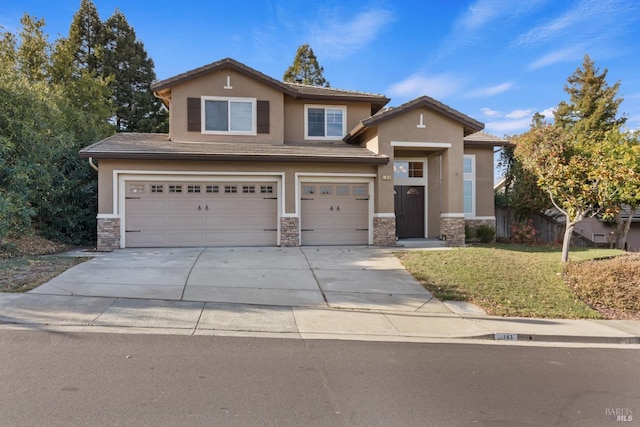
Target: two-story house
(250, 160)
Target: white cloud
(519, 114)
(586, 19)
(490, 91)
(488, 112)
(439, 86)
(508, 126)
(562, 55)
(337, 38)
(483, 12)
(467, 29)
(548, 113)
(516, 121)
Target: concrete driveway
(353, 277)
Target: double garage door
(173, 214)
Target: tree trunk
(566, 241)
(622, 239)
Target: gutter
(93, 165)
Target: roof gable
(470, 125)
(295, 90)
(223, 64)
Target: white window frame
(254, 115)
(343, 108)
(470, 176)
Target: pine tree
(86, 35)
(593, 105)
(130, 73)
(32, 55)
(305, 69)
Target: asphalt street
(68, 379)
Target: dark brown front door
(409, 207)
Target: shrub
(486, 233)
(467, 232)
(524, 232)
(612, 283)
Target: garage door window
(266, 189)
(157, 188)
(193, 189)
(248, 189)
(175, 189)
(326, 190)
(230, 189)
(213, 189)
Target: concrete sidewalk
(123, 315)
(306, 293)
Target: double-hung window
(228, 115)
(324, 122)
(469, 184)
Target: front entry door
(409, 209)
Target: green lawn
(505, 280)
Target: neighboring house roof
(155, 146)
(295, 90)
(484, 139)
(470, 125)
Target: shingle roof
(295, 90)
(153, 146)
(484, 139)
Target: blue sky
(498, 61)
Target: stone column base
(384, 231)
(453, 230)
(289, 231)
(108, 234)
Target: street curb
(576, 339)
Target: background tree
(130, 73)
(580, 176)
(86, 35)
(32, 55)
(305, 69)
(44, 185)
(521, 189)
(627, 153)
(593, 104)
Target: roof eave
(378, 160)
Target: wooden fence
(548, 230)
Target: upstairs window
(228, 115)
(324, 122)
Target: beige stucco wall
(213, 85)
(438, 128)
(294, 115)
(107, 167)
(485, 205)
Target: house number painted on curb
(505, 337)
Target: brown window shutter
(262, 116)
(193, 115)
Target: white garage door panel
(138, 206)
(137, 221)
(173, 214)
(184, 222)
(334, 214)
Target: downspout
(93, 165)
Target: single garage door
(334, 214)
(174, 214)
